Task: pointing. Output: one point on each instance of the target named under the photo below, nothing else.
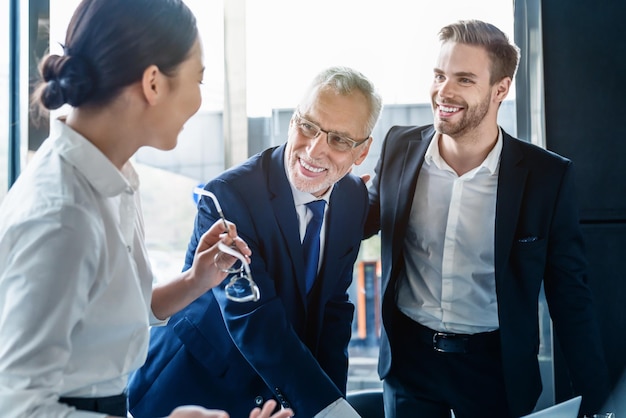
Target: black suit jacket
(289, 346)
(535, 198)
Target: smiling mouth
(310, 168)
(447, 110)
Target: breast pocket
(528, 258)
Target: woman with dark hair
(76, 295)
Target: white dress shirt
(449, 246)
(75, 281)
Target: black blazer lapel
(335, 242)
(407, 180)
(511, 180)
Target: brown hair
(504, 54)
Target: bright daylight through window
(287, 42)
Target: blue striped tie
(311, 243)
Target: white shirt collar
(490, 163)
(92, 163)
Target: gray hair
(345, 80)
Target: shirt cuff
(156, 322)
(338, 409)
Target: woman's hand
(197, 412)
(172, 296)
(203, 267)
(266, 412)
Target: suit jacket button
(258, 401)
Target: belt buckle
(449, 343)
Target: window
(4, 98)
(392, 42)
(197, 157)
(168, 177)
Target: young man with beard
(472, 222)
(292, 344)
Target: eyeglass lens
(334, 140)
(241, 287)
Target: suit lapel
(335, 241)
(286, 216)
(413, 159)
(511, 180)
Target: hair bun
(76, 80)
(70, 80)
(52, 96)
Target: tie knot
(317, 208)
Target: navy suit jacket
(537, 239)
(289, 346)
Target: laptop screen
(567, 409)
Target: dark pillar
(584, 66)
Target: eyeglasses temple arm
(210, 195)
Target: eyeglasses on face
(336, 141)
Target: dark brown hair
(109, 44)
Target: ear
(502, 89)
(365, 149)
(152, 84)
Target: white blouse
(75, 280)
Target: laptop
(567, 409)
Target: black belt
(446, 342)
(110, 405)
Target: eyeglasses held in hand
(334, 140)
(241, 287)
